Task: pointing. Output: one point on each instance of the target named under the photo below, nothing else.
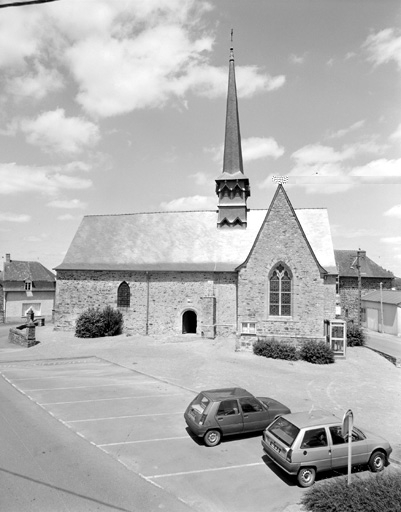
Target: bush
(381, 491)
(275, 349)
(355, 337)
(96, 323)
(316, 352)
(113, 321)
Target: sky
(116, 107)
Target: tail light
(203, 419)
(289, 455)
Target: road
(385, 343)
(46, 467)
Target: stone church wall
(158, 299)
(281, 240)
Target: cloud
(66, 216)
(54, 132)
(253, 148)
(297, 59)
(384, 47)
(190, 203)
(200, 178)
(392, 240)
(20, 179)
(14, 217)
(346, 131)
(397, 134)
(322, 169)
(123, 56)
(35, 84)
(394, 211)
(68, 204)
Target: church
(233, 271)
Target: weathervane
(280, 180)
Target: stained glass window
(280, 299)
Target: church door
(189, 322)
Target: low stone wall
(246, 342)
(23, 335)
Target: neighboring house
(25, 285)
(371, 274)
(267, 272)
(382, 311)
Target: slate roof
(181, 241)
(27, 271)
(346, 261)
(388, 296)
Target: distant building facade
(382, 311)
(26, 285)
(371, 274)
(253, 273)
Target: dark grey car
(222, 412)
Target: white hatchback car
(304, 444)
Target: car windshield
(284, 430)
(200, 403)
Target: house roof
(346, 263)
(181, 241)
(385, 296)
(26, 271)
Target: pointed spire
(232, 186)
(232, 145)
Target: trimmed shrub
(381, 491)
(316, 352)
(113, 321)
(355, 337)
(96, 323)
(275, 349)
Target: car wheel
(212, 438)
(306, 477)
(377, 461)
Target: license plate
(276, 448)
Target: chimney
(8, 258)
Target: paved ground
(365, 382)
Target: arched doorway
(189, 322)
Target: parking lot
(139, 420)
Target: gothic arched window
(280, 296)
(123, 295)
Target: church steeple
(232, 186)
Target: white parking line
(105, 399)
(206, 470)
(94, 386)
(143, 441)
(123, 417)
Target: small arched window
(123, 295)
(280, 296)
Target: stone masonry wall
(158, 299)
(281, 240)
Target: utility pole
(358, 267)
(381, 308)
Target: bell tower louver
(232, 186)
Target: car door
(229, 417)
(255, 415)
(339, 448)
(314, 449)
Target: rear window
(284, 430)
(200, 403)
